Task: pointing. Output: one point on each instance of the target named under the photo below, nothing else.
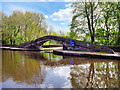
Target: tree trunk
(25, 33)
(92, 39)
(107, 28)
(10, 41)
(93, 30)
(13, 42)
(89, 24)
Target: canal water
(23, 69)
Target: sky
(57, 14)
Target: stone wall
(78, 45)
(116, 49)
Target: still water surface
(23, 69)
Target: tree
(99, 21)
(84, 18)
(108, 24)
(22, 27)
(51, 31)
(1, 14)
(118, 21)
(61, 33)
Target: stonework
(78, 45)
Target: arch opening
(51, 44)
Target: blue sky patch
(57, 14)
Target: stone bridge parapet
(78, 45)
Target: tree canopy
(96, 22)
(22, 27)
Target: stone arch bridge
(78, 45)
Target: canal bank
(17, 49)
(116, 55)
(28, 49)
(59, 51)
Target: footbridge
(66, 42)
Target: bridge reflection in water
(40, 69)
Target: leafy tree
(84, 19)
(22, 27)
(99, 21)
(1, 26)
(108, 24)
(118, 22)
(51, 31)
(61, 33)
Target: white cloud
(54, 19)
(62, 23)
(46, 16)
(42, 0)
(51, 0)
(62, 14)
(68, 5)
(67, 0)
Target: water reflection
(95, 75)
(39, 69)
(21, 68)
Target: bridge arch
(40, 45)
(79, 45)
(41, 41)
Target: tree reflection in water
(21, 68)
(95, 75)
(34, 68)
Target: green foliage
(84, 18)
(99, 22)
(50, 43)
(51, 56)
(22, 27)
(108, 21)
